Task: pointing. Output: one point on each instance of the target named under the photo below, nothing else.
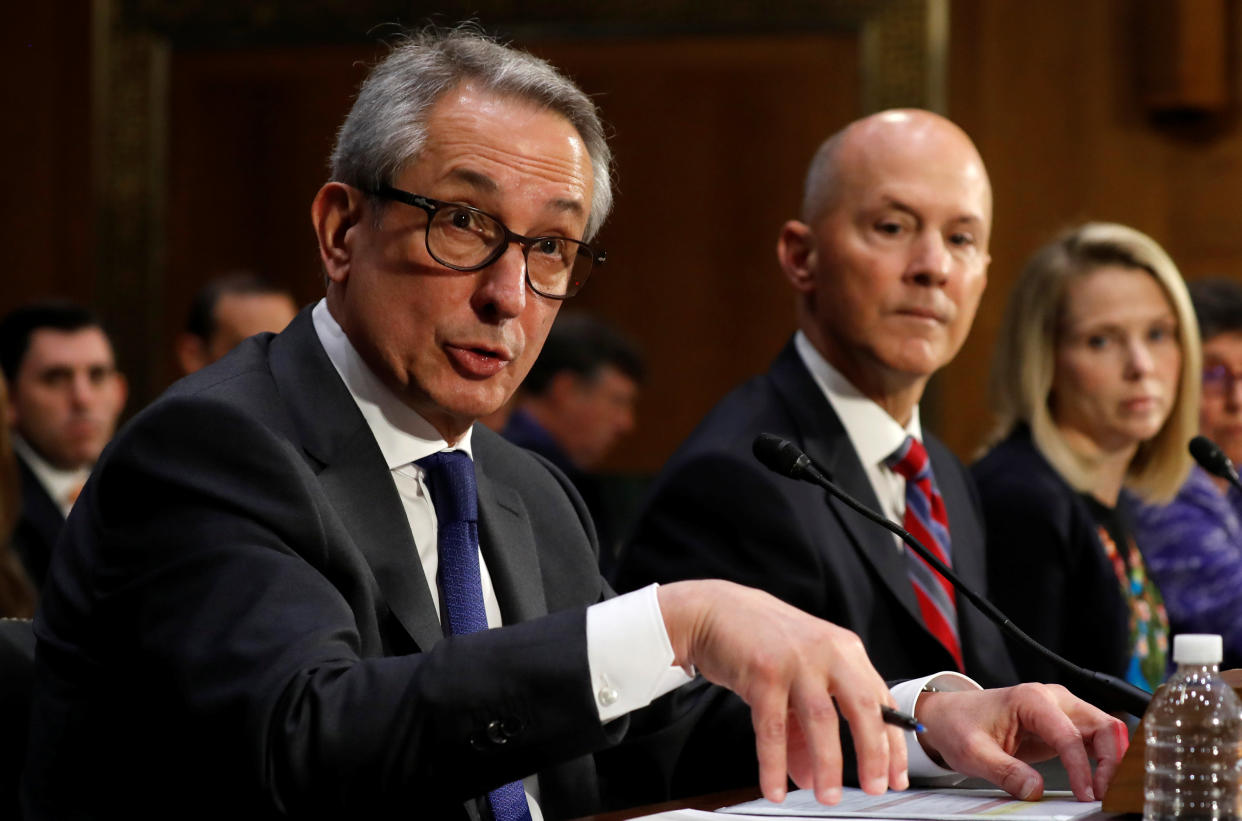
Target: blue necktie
(450, 477)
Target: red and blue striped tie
(450, 478)
(927, 521)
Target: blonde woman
(1095, 384)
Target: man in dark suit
(888, 263)
(271, 597)
(66, 395)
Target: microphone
(784, 457)
(1212, 459)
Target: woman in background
(1095, 383)
(1193, 545)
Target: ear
(121, 389)
(191, 352)
(336, 209)
(795, 249)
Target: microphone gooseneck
(1212, 459)
(785, 458)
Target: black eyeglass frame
(431, 206)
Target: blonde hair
(1025, 359)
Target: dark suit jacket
(236, 621)
(716, 512)
(38, 527)
(1046, 564)
(16, 675)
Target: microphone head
(1211, 458)
(779, 454)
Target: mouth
(477, 361)
(1141, 403)
(928, 314)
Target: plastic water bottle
(1194, 739)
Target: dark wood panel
(249, 137)
(46, 218)
(1052, 93)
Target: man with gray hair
(275, 594)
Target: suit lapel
(353, 474)
(824, 439)
(39, 508)
(507, 542)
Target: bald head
(890, 257)
(848, 158)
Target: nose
(501, 289)
(81, 389)
(1139, 359)
(930, 260)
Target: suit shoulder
(731, 425)
(1014, 477)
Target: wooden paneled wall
(1054, 94)
(46, 208)
(711, 135)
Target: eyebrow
(487, 185)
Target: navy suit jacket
(236, 620)
(716, 512)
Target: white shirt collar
(61, 485)
(874, 434)
(402, 434)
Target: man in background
(575, 404)
(66, 395)
(227, 310)
(887, 263)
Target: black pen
(900, 719)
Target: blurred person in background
(17, 596)
(1193, 545)
(227, 310)
(65, 397)
(17, 603)
(1095, 385)
(575, 404)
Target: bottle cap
(1197, 648)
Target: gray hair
(387, 126)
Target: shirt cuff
(906, 694)
(629, 653)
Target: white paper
(922, 804)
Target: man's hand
(993, 733)
(788, 666)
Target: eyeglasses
(1218, 380)
(466, 239)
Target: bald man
(887, 264)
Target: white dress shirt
(628, 649)
(875, 435)
(62, 486)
